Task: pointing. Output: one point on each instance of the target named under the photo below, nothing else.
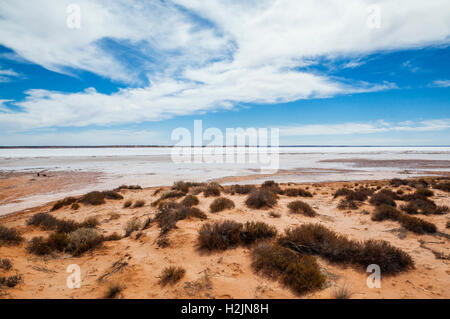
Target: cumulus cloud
(365, 128)
(440, 83)
(7, 75)
(202, 55)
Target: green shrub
(190, 200)
(299, 207)
(261, 198)
(171, 275)
(9, 236)
(384, 212)
(220, 204)
(316, 239)
(300, 273)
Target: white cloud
(247, 52)
(364, 128)
(86, 138)
(440, 83)
(7, 75)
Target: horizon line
(202, 146)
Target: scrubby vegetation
(82, 240)
(185, 186)
(190, 200)
(241, 189)
(413, 224)
(227, 234)
(132, 225)
(294, 192)
(168, 195)
(299, 207)
(316, 239)
(347, 204)
(261, 198)
(444, 186)
(220, 204)
(423, 206)
(93, 198)
(299, 272)
(75, 206)
(212, 189)
(127, 204)
(273, 187)
(10, 281)
(5, 264)
(131, 187)
(342, 292)
(64, 202)
(378, 199)
(139, 203)
(9, 236)
(49, 222)
(113, 290)
(171, 275)
(171, 212)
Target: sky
(354, 72)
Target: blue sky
(135, 71)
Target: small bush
(220, 204)
(316, 239)
(127, 204)
(112, 195)
(139, 204)
(299, 207)
(190, 200)
(301, 273)
(64, 202)
(342, 192)
(396, 182)
(171, 275)
(253, 231)
(90, 222)
(82, 240)
(9, 236)
(424, 192)
(132, 225)
(413, 224)
(5, 264)
(220, 235)
(272, 187)
(58, 241)
(11, 281)
(93, 198)
(39, 246)
(169, 215)
(347, 204)
(75, 206)
(113, 290)
(444, 186)
(212, 189)
(44, 220)
(378, 199)
(342, 292)
(294, 192)
(242, 189)
(66, 226)
(113, 237)
(384, 212)
(261, 198)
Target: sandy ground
(137, 263)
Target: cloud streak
(364, 128)
(199, 56)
